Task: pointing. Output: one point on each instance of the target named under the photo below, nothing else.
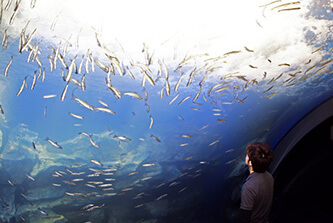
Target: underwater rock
(7, 201)
(39, 193)
(0, 138)
(19, 144)
(158, 208)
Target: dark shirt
(257, 196)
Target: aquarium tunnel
(140, 111)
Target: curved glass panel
(140, 111)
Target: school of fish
(187, 74)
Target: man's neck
(251, 169)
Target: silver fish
(24, 83)
(133, 94)
(161, 197)
(75, 115)
(55, 144)
(70, 69)
(102, 103)
(17, 4)
(148, 164)
(26, 44)
(7, 67)
(83, 103)
(103, 109)
(34, 81)
(5, 38)
(173, 99)
(151, 121)
(93, 143)
(123, 138)
(11, 184)
(97, 162)
(182, 101)
(63, 95)
(30, 177)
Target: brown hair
(260, 155)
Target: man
(257, 191)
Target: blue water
(192, 179)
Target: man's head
(258, 156)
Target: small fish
(75, 115)
(232, 52)
(132, 173)
(271, 95)
(127, 189)
(97, 162)
(178, 82)
(7, 67)
(173, 99)
(93, 143)
(105, 185)
(104, 109)
(157, 139)
(151, 121)
(102, 103)
(248, 50)
(197, 95)
(284, 64)
(50, 96)
(181, 190)
(184, 144)
(24, 83)
(231, 161)
(161, 197)
(56, 185)
(148, 164)
(15, 12)
(254, 67)
(146, 178)
(30, 177)
(182, 101)
(229, 150)
(289, 9)
(34, 145)
(286, 4)
(63, 95)
(216, 141)
(83, 103)
(181, 118)
(150, 80)
(115, 91)
(123, 138)
(5, 38)
(186, 136)
(55, 144)
(27, 43)
(1, 110)
(188, 158)
(11, 184)
(34, 81)
(84, 133)
(133, 94)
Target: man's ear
(250, 163)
